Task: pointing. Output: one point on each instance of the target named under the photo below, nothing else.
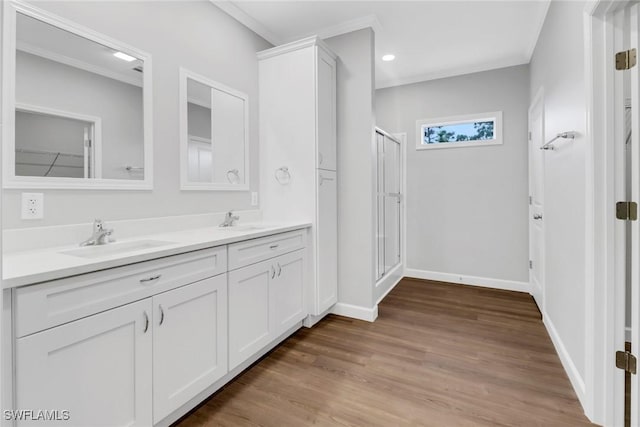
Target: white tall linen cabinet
(298, 179)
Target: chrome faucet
(100, 236)
(229, 219)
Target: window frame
(495, 116)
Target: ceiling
(39, 38)
(430, 39)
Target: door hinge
(529, 135)
(627, 211)
(530, 199)
(626, 59)
(626, 361)
(530, 264)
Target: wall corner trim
(485, 282)
(356, 311)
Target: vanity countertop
(30, 267)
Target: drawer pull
(151, 279)
(146, 322)
(161, 314)
(273, 246)
(273, 272)
(279, 269)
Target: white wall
(355, 96)
(466, 207)
(201, 38)
(557, 66)
(44, 83)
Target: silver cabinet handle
(146, 322)
(273, 246)
(151, 279)
(537, 216)
(161, 314)
(279, 269)
(273, 272)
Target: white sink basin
(244, 227)
(115, 248)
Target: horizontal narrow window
(460, 131)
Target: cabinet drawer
(53, 303)
(252, 251)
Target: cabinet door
(327, 237)
(326, 116)
(97, 368)
(189, 342)
(286, 296)
(249, 328)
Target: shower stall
(389, 208)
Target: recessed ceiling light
(388, 57)
(124, 56)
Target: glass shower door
(388, 203)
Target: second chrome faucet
(100, 235)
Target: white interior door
(635, 226)
(536, 200)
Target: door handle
(279, 269)
(161, 314)
(537, 216)
(273, 272)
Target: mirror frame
(10, 180)
(185, 184)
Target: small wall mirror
(214, 135)
(79, 115)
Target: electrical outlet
(32, 205)
(254, 198)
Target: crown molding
(231, 9)
(296, 45)
(453, 72)
(76, 63)
(369, 21)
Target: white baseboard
(356, 311)
(508, 285)
(570, 368)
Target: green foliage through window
(459, 132)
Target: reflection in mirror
(216, 135)
(78, 106)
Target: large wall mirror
(77, 107)
(214, 130)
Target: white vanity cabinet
(266, 298)
(142, 344)
(298, 129)
(189, 342)
(98, 368)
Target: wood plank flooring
(438, 355)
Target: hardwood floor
(438, 355)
